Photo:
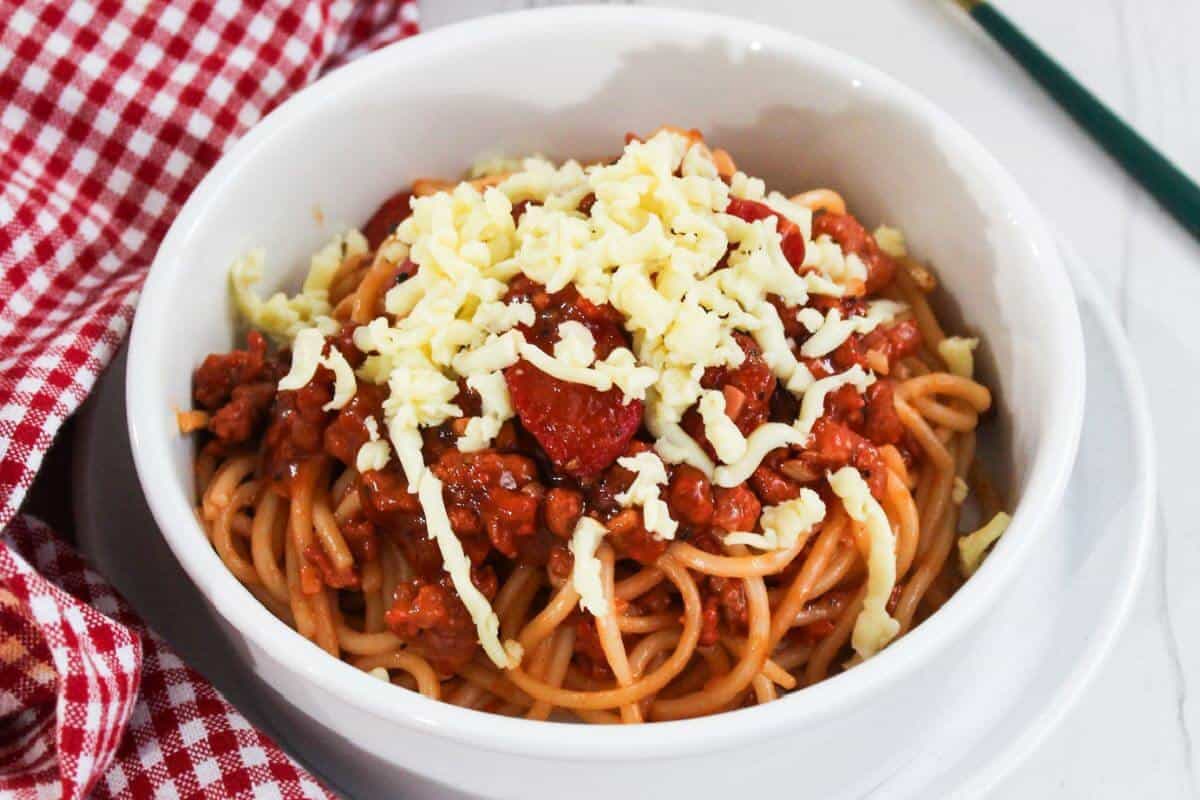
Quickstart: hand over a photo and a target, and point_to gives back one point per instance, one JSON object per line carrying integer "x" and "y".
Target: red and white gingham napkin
{"x": 110, "y": 113}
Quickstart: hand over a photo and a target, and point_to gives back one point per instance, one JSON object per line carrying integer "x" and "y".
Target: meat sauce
{"x": 519, "y": 501}
{"x": 852, "y": 237}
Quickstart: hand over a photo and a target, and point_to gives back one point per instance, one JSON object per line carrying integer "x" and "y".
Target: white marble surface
{"x": 1135, "y": 732}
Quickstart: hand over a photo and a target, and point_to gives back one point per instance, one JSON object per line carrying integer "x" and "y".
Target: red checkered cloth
{"x": 95, "y": 702}
{"x": 110, "y": 113}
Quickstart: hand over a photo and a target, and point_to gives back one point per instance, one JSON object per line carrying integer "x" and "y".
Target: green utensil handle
{"x": 1173, "y": 189}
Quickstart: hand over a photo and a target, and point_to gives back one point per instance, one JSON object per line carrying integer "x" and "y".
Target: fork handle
{"x": 1168, "y": 184}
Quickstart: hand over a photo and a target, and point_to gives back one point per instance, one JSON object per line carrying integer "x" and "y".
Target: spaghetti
{"x": 563, "y": 532}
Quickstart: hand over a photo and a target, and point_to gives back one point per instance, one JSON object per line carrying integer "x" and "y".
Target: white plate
{"x": 1042, "y": 647}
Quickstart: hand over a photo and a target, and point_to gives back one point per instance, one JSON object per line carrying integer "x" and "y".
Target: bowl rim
{"x": 1051, "y": 466}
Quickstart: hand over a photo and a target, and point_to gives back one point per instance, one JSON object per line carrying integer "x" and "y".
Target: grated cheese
{"x": 283, "y": 317}
{"x": 497, "y": 317}
{"x": 810, "y": 318}
{"x": 891, "y": 241}
{"x": 726, "y": 439}
{"x": 765, "y": 438}
{"x": 674, "y": 445}
{"x": 573, "y": 362}
{"x": 306, "y": 357}
{"x": 497, "y": 409}
{"x": 783, "y": 525}
{"x": 834, "y": 330}
{"x": 874, "y": 627}
{"x": 973, "y": 547}
{"x": 488, "y": 166}
{"x": 374, "y": 453}
{"x": 649, "y": 473}
{"x": 958, "y": 353}
{"x": 585, "y": 572}
{"x": 959, "y": 493}
{"x": 344, "y": 383}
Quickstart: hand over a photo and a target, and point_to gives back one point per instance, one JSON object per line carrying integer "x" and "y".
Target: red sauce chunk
{"x": 394, "y": 210}
{"x": 581, "y": 429}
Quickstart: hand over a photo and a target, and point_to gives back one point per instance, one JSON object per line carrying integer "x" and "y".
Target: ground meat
{"x": 846, "y": 405}
{"x": 814, "y": 632}
{"x": 220, "y": 373}
{"x": 559, "y": 563}
{"x": 638, "y": 543}
{"x": 330, "y": 576}
{"x": 361, "y": 537}
{"x": 385, "y": 492}
{"x": 750, "y": 385}
{"x": 690, "y": 497}
{"x": 348, "y": 430}
{"x": 834, "y": 445}
{"x": 753, "y": 378}
{"x": 499, "y": 489}
{"x": 535, "y": 550}
{"x": 552, "y": 309}
{"x": 245, "y": 415}
{"x": 792, "y": 327}
{"x": 343, "y": 342}
{"x": 655, "y": 601}
{"x": 296, "y": 430}
{"x": 737, "y": 509}
{"x": 431, "y": 618}
{"x": 601, "y": 494}
{"x": 771, "y": 486}
{"x": 710, "y": 621}
{"x": 784, "y": 406}
{"x": 896, "y": 342}
{"x": 396, "y": 513}
{"x": 561, "y": 510}
{"x": 882, "y": 424}
{"x": 723, "y": 600}
{"x": 731, "y": 598}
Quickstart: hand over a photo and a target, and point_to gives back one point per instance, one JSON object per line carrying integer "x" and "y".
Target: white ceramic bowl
{"x": 571, "y": 82}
